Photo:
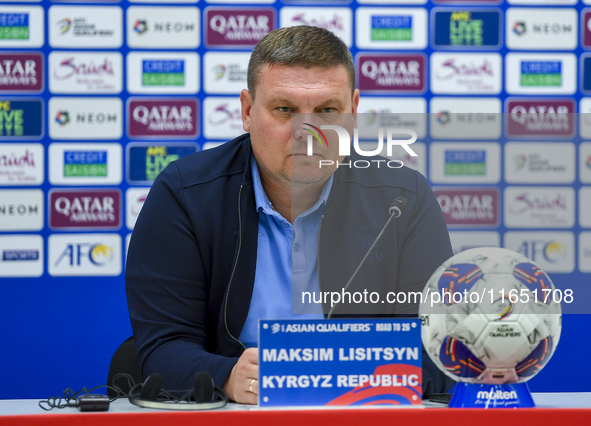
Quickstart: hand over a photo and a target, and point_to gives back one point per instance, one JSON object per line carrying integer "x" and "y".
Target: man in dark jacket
{"x": 226, "y": 235}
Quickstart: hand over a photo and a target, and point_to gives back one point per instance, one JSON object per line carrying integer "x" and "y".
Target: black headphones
{"x": 204, "y": 395}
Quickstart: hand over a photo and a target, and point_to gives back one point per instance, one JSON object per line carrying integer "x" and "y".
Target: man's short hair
{"x": 300, "y": 46}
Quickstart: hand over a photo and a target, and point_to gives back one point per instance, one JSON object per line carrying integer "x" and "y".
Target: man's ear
{"x": 355, "y": 104}
{"x": 246, "y": 103}
{"x": 355, "y": 101}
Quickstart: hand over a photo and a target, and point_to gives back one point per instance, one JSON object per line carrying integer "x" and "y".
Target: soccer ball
{"x": 492, "y": 316}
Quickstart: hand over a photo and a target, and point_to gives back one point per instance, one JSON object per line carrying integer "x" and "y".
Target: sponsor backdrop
{"x": 96, "y": 98}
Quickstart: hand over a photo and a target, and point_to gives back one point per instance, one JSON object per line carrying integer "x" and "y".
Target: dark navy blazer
{"x": 191, "y": 260}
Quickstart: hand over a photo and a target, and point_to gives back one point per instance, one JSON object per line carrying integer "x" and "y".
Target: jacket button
{"x": 296, "y": 247}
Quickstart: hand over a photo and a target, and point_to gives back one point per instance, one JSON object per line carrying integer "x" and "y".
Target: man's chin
{"x": 305, "y": 161}
{"x": 307, "y": 169}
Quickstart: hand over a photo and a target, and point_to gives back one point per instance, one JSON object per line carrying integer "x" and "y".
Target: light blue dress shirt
{"x": 284, "y": 269}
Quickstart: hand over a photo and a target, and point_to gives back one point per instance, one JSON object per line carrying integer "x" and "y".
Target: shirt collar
{"x": 263, "y": 203}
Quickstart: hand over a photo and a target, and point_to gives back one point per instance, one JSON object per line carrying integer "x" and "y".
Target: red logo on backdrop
{"x": 469, "y": 206}
{"x": 391, "y": 73}
{"x": 21, "y": 72}
{"x": 79, "y": 209}
{"x": 544, "y": 117}
{"x": 162, "y": 118}
{"x": 70, "y": 67}
{"x": 587, "y": 29}
{"x": 525, "y": 202}
{"x": 237, "y": 26}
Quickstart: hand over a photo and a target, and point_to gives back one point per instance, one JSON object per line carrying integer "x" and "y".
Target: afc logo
{"x": 80, "y": 253}
{"x": 550, "y": 251}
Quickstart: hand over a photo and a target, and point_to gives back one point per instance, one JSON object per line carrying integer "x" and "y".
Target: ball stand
{"x": 471, "y": 395}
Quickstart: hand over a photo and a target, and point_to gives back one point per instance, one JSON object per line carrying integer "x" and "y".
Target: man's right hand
{"x": 239, "y": 383}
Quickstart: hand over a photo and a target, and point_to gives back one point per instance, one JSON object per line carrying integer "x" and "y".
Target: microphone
{"x": 203, "y": 387}
{"x": 395, "y": 211}
{"x": 397, "y": 206}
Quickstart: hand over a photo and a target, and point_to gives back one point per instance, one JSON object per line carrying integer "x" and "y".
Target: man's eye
{"x": 283, "y": 109}
{"x": 327, "y": 110}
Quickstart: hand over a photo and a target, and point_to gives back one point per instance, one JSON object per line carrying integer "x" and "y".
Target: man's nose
{"x": 299, "y": 133}
{"x": 300, "y": 125}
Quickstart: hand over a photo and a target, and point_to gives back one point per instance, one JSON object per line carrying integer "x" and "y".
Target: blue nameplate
{"x": 340, "y": 362}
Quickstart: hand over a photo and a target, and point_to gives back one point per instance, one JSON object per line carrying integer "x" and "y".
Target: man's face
{"x": 278, "y": 142}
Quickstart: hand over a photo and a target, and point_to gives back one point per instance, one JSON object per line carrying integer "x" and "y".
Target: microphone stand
{"x": 395, "y": 211}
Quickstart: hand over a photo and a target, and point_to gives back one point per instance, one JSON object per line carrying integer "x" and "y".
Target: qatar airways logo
{"x": 544, "y": 117}
{"x": 469, "y": 206}
{"x": 396, "y": 73}
{"x": 238, "y": 27}
{"x": 586, "y": 28}
{"x": 21, "y": 72}
{"x": 162, "y": 118}
{"x": 344, "y": 145}
{"x": 84, "y": 209}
